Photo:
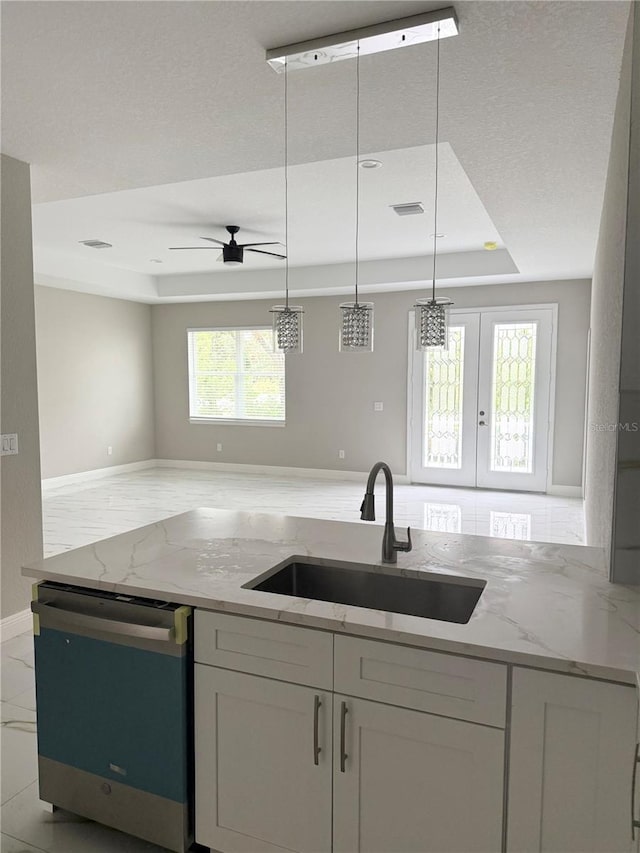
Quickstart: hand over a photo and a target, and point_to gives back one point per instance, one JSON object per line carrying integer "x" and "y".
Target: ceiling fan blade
{"x": 208, "y": 248}
{"x": 274, "y": 243}
{"x": 220, "y": 257}
{"x": 213, "y": 240}
{"x": 273, "y": 254}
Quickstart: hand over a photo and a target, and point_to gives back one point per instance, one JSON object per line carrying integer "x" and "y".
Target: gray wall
{"x": 21, "y": 505}
{"x": 95, "y": 381}
{"x": 330, "y": 395}
{"x": 612, "y": 284}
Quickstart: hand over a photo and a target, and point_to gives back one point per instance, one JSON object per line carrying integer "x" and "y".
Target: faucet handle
{"x": 367, "y": 508}
{"x": 405, "y": 546}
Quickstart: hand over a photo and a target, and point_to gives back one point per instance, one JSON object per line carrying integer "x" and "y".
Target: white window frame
{"x": 251, "y": 422}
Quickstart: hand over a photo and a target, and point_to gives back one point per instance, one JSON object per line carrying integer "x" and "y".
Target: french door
{"x": 480, "y": 407}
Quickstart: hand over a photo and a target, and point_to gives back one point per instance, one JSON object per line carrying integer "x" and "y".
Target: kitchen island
{"x": 544, "y": 605}
{"x": 368, "y": 730}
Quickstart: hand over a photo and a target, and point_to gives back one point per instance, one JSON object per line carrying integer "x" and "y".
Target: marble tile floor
{"x": 75, "y": 515}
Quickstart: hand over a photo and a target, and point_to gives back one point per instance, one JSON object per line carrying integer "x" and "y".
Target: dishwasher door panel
{"x": 115, "y": 711}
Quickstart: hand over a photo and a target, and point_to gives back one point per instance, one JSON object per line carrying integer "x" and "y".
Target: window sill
{"x": 237, "y": 422}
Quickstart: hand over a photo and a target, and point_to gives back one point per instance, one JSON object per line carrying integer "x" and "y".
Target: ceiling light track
{"x": 389, "y": 35}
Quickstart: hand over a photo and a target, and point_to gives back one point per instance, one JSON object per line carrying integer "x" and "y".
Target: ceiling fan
{"x": 232, "y": 252}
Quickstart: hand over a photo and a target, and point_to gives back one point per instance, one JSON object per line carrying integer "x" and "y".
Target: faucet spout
{"x": 390, "y": 545}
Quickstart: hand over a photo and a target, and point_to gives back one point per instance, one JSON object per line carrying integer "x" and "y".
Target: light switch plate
{"x": 378, "y": 407}
{"x": 10, "y": 444}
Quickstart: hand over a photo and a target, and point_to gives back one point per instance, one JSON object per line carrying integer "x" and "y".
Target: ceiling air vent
{"x": 409, "y": 209}
{"x": 96, "y": 244}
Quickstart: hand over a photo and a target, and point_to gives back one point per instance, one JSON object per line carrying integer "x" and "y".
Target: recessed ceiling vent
{"x": 96, "y": 244}
{"x": 409, "y": 209}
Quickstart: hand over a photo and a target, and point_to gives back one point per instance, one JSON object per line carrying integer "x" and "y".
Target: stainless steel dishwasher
{"x": 114, "y": 696}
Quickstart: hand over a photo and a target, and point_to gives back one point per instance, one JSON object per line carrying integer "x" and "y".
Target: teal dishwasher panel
{"x": 114, "y": 710}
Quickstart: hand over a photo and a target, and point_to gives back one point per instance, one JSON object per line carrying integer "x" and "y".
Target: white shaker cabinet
{"x": 309, "y": 742}
{"x": 571, "y": 763}
{"x": 410, "y": 782}
{"x": 263, "y": 764}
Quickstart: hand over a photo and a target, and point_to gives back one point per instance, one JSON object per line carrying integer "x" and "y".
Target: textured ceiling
{"x": 105, "y": 96}
{"x": 142, "y": 224}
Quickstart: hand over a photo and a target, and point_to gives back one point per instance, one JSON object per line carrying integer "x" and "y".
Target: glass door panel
{"x": 512, "y": 396}
{"x": 513, "y": 399}
{"x": 443, "y": 447}
{"x": 443, "y": 396}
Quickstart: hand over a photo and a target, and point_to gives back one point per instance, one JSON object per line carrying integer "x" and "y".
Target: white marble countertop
{"x": 544, "y": 605}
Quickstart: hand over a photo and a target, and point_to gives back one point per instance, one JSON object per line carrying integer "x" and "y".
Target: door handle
{"x": 316, "y": 714}
{"x": 56, "y": 617}
{"x": 635, "y": 824}
{"x": 343, "y": 726}
{"x": 482, "y": 423}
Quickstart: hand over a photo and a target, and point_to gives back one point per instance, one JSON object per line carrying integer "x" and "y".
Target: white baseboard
{"x": 14, "y": 625}
{"x": 566, "y": 491}
{"x": 240, "y": 468}
{"x": 96, "y": 474}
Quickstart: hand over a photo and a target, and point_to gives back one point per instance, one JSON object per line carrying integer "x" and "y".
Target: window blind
{"x": 235, "y": 375}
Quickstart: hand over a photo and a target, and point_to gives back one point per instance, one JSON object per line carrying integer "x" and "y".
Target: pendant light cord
{"x": 357, "y": 168}
{"x": 435, "y": 193}
{"x": 286, "y": 186}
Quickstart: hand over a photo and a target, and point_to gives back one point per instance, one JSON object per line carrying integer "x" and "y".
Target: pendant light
{"x": 356, "y": 318}
{"x": 431, "y": 313}
{"x": 287, "y": 319}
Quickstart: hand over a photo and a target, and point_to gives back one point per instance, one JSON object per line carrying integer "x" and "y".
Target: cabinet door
{"x": 414, "y": 782}
{"x": 571, "y": 756}
{"x": 258, "y": 786}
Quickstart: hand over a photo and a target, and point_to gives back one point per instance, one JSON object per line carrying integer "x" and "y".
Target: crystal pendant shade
{"x": 287, "y": 328}
{"x": 431, "y": 322}
{"x": 356, "y": 327}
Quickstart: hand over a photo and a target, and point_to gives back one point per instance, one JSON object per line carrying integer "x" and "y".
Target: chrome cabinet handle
{"x": 316, "y": 714}
{"x": 635, "y": 824}
{"x": 343, "y": 726}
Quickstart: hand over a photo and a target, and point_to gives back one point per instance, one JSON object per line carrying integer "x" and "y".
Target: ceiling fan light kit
{"x": 232, "y": 252}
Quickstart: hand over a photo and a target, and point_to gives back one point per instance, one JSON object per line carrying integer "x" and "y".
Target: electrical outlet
{"x": 378, "y": 407}
{"x": 219, "y": 447}
{"x": 109, "y": 451}
{"x": 341, "y": 454}
{"x": 10, "y": 444}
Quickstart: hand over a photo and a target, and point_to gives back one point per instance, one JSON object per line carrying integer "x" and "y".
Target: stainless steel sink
{"x": 427, "y": 594}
